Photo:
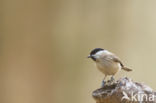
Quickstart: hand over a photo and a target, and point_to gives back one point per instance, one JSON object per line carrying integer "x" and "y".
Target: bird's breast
{"x": 108, "y": 67}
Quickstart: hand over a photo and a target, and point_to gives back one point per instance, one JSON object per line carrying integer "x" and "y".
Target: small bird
{"x": 107, "y": 62}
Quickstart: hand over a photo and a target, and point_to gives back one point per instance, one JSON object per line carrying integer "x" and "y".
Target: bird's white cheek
{"x": 99, "y": 54}
{"x": 96, "y": 56}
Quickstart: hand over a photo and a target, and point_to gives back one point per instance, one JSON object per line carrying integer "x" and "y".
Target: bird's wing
{"x": 115, "y": 59}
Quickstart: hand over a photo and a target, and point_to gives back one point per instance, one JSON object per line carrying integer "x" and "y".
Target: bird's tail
{"x": 126, "y": 69}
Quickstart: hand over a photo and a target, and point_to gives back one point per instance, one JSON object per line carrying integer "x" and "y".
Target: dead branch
{"x": 125, "y": 91}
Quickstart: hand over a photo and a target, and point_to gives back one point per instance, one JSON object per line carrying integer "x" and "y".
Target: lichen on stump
{"x": 125, "y": 91}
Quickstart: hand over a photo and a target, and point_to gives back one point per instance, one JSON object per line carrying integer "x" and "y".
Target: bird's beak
{"x": 89, "y": 56}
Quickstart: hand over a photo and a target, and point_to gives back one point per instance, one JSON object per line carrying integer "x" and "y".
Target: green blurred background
{"x": 44, "y": 45}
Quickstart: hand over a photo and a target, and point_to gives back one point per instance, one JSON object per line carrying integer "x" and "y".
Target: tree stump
{"x": 125, "y": 91}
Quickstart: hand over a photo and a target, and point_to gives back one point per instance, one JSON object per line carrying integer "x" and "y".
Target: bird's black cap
{"x": 94, "y": 51}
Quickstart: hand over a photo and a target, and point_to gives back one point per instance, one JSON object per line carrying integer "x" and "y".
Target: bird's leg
{"x": 111, "y": 80}
{"x": 104, "y": 82}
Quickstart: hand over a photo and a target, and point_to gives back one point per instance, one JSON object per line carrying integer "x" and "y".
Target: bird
{"x": 107, "y": 62}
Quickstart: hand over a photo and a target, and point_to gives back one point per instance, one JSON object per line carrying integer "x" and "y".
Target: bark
{"x": 125, "y": 91}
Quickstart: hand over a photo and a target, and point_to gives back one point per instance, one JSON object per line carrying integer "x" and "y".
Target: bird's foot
{"x": 111, "y": 81}
{"x": 103, "y": 84}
